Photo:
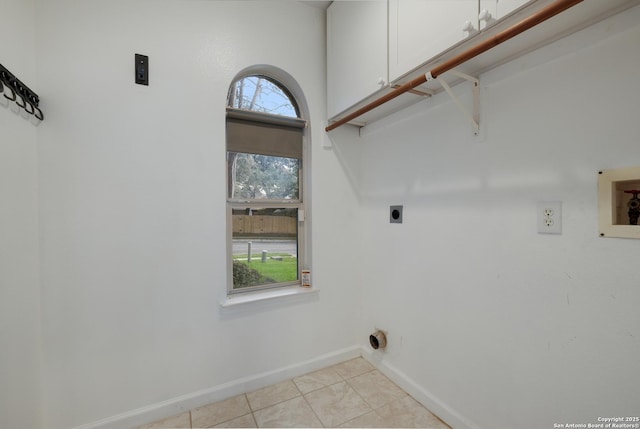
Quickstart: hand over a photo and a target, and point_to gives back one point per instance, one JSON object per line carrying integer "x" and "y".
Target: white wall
{"x": 491, "y": 322}
{"x": 495, "y": 324}
{"x": 132, "y": 191}
{"x": 20, "y": 374}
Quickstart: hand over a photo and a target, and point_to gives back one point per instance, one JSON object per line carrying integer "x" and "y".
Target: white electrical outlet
{"x": 549, "y": 216}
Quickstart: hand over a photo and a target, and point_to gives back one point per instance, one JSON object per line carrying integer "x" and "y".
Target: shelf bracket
{"x": 421, "y": 92}
{"x": 474, "y": 115}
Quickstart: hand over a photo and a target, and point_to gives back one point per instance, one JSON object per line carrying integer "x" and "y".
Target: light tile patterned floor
{"x": 352, "y": 394}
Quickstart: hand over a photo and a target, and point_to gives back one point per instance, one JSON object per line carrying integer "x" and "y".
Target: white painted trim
{"x": 193, "y": 400}
{"x": 249, "y": 297}
{"x": 419, "y": 393}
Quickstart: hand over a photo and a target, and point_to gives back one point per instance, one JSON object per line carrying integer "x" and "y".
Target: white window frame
{"x": 267, "y": 291}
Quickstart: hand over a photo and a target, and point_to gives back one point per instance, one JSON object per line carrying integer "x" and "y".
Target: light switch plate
{"x": 142, "y": 69}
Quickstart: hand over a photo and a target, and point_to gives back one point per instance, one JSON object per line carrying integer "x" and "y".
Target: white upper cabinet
{"x": 421, "y": 29}
{"x": 356, "y": 52}
{"x": 491, "y": 10}
{"x": 371, "y": 43}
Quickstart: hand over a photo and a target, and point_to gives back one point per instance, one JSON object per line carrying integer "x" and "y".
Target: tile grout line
{"x": 253, "y": 416}
{"x": 304, "y": 395}
{"x": 275, "y": 403}
{"x": 307, "y": 402}
{"x": 312, "y": 410}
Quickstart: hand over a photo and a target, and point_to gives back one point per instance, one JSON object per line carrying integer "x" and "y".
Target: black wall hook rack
{"x": 14, "y": 90}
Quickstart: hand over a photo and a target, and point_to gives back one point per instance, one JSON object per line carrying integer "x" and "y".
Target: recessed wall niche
{"x": 619, "y": 202}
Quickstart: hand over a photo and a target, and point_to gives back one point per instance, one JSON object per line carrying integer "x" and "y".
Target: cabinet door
{"x": 356, "y": 52}
{"x": 421, "y": 29}
{"x": 507, "y": 6}
{"x": 499, "y": 8}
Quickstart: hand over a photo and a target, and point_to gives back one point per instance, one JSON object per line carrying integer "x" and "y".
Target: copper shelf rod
{"x": 524, "y": 25}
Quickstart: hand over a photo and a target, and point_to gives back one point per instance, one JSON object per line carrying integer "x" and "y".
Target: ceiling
{"x": 317, "y": 3}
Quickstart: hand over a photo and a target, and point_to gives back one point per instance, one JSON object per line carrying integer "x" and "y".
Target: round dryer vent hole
{"x": 378, "y": 340}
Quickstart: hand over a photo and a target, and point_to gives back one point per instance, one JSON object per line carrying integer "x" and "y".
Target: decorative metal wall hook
{"x": 41, "y": 117}
{"x": 28, "y": 100}
{"x": 13, "y": 93}
{"x": 23, "y": 105}
{"x": 33, "y": 109}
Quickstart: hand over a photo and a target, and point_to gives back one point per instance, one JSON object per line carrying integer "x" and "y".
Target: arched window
{"x": 265, "y": 147}
{"x": 262, "y": 94}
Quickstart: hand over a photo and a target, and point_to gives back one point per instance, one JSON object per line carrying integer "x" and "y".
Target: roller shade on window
{"x": 264, "y": 134}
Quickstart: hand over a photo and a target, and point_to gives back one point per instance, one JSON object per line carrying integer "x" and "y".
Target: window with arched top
{"x": 262, "y": 94}
{"x": 265, "y": 149}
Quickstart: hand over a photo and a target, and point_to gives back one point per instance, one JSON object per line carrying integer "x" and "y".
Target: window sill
{"x": 248, "y": 298}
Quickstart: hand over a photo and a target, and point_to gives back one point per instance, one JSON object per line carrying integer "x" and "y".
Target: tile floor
{"x": 352, "y": 394}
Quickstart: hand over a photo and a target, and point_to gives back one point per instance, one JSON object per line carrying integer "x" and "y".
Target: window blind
{"x": 264, "y": 134}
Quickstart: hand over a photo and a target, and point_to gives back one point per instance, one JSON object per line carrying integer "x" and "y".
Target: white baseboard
{"x": 180, "y": 404}
{"x": 419, "y": 393}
